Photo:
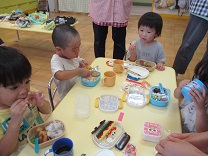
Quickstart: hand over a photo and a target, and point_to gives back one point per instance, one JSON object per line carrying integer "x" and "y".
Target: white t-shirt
{"x": 61, "y": 64}
{"x": 188, "y": 116}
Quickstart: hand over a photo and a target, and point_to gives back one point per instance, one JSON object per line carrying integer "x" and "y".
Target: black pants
{"x": 194, "y": 34}
{"x": 118, "y": 36}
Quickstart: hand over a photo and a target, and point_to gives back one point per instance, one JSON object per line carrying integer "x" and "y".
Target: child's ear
{"x": 58, "y": 50}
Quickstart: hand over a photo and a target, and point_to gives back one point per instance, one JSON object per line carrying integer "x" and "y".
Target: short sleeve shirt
{"x": 154, "y": 52}
{"x": 31, "y": 119}
{"x": 60, "y": 64}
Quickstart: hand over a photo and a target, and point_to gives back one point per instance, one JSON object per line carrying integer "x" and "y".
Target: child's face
{"x": 10, "y": 94}
{"x": 147, "y": 34}
{"x": 72, "y": 50}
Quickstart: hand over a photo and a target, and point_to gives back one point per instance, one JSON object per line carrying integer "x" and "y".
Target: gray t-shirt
{"x": 154, "y": 52}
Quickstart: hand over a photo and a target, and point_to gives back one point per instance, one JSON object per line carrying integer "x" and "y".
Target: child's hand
{"x": 177, "y": 92}
{"x": 160, "y": 66}
{"x": 17, "y": 111}
{"x": 132, "y": 48}
{"x": 132, "y": 52}
{"x": 85, "y": 72}
{"x": 198, "y": 98}
{"x": 35, "y": 98}
{"x": 83, "y": 64}
{"x": 183, "y": 83}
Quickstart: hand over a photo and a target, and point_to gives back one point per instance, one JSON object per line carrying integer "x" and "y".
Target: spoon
{"x": 36, "y": 143}
{"x": 161, "y": 88}
{"x": 96, "y": 68}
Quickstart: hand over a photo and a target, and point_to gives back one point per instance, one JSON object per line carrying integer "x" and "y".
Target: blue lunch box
{"x": 155, "y": 97}
{"x": 91, "y": 81}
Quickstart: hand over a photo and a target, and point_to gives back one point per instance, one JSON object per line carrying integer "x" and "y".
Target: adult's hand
{"x": 177, "y": 147}
{"x": 199, "y": 140}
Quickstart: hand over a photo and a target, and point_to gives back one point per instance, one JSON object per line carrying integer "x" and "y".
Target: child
{"x": 66, "y": 65}
{"x": 146, "y": 47}
{"x": 194, "y": 114}
{"x": 19, "y": 108}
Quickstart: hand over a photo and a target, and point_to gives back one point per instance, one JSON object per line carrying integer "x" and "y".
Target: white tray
{"x": 138, "y": 72}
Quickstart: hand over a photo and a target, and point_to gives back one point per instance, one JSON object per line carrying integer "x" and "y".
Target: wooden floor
{"x": 39, "y": 49}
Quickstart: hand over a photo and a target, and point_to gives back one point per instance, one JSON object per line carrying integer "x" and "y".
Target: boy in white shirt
{"x": 66, "y": 65}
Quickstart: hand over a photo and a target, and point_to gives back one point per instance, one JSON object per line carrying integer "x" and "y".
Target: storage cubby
{"x": 167, "y": 12}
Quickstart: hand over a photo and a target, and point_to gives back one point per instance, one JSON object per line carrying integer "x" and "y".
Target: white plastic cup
{"x": 82, "y": 106}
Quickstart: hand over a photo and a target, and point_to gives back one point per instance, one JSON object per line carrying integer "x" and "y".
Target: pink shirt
{"x": 110, "y": 12}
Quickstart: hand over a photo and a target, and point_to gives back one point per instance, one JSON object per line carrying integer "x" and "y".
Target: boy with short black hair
{"x": 66, "y": 65}
{"x": 146, "y": 47}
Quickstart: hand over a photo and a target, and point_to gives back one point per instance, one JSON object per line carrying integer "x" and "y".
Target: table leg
{"x": 18, "y": 38}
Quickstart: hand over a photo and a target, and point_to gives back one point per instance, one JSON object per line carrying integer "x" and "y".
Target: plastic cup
{"x": 82, "y": 106}
{"x": 196, "y": 83}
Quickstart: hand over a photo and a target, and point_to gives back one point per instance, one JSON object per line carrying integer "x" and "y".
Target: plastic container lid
{"x": 82, "y": 106}
{"x": 105, "y": 152}
{"x": 135, "y": 98}
{"x": 109, "y": 103}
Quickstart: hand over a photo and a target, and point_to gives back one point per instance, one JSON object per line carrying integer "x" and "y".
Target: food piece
{"x": 39, "y": 129}
{"x": 43, "y": 132}
{"x": 45, "y": 138}
{"x": 89, "y": 67}
{"x": 54, "y": 129}
{"x": 142, "y": 62}
{"x": 95, "y": 74}
{"x": 104, "y": 129}
{"x": 32, "y": 139}
{"x": 156, "y": 90}
{"x": 40, "y": 140}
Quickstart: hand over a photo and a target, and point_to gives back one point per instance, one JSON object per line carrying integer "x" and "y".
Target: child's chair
{"x": 51, "y": 92}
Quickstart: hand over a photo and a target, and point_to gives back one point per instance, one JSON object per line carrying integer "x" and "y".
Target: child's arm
{"x": 69, "y": 74}
{"x": 37, "y": 99}
{"x": 199, "y": 140}
{"x": 9, "y": 141}
{"x": 177, "y": 147}
{"x": 199, "y": 100}
{"x": 177, "y": 91}
{"x": 132, "y": 50}
{"x": 160, "y": 66}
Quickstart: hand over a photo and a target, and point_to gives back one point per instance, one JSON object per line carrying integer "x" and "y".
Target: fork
{"x": 96, "y": 68}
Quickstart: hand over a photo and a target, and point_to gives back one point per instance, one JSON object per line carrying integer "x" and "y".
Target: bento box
{"x": 110, "y": 134}
{"x": 159, "y": 97}
{"x": 92, "y": 80}
{"x": 146, "y": 64}
{"x": 51, "y": 130}
{"x": 152, "y": 132}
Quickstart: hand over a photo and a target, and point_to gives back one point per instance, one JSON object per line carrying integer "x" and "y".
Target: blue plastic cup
{"x": 196, "y": 83}
{"x": 61, "y": 147}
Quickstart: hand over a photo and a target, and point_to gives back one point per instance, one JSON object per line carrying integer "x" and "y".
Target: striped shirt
{"x": 199, "y": 7}
{"x": 113, "y": 13}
